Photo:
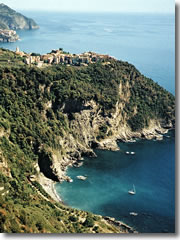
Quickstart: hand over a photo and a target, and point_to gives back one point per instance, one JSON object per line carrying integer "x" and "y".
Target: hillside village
{"x": 61, "y": 57}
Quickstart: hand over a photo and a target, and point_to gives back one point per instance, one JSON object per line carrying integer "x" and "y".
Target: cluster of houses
{"x": 61, "y": 57}
{"x": 8, "y": 35}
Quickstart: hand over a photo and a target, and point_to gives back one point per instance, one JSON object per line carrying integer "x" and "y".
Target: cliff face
{"x": 10, "y": 19}
{"x": 84, "y": 133}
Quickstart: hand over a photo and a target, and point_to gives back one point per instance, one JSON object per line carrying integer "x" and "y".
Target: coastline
{"x": 49, "y": 186}
{"x": 56, "y": 194}
{"x": 60, "y": 166}
{"x": 52, "y": 192}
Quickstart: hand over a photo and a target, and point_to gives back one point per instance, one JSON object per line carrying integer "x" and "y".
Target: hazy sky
{"x": 162, "y": 6}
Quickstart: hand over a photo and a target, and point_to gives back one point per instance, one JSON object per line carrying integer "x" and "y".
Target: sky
{"x": 153, "y": 6}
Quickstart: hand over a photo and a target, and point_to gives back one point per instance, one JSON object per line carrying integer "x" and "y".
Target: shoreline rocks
{"x": 120, "y": 224}
{"x": 85, "y": 127}
{"x": 77, "y": 164}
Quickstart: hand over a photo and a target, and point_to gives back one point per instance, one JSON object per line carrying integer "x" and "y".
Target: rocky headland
{"x": 10, "y": 21}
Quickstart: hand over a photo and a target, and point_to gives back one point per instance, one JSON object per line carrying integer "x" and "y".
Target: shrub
{"x": 89, "y": 222}
{"x": 73, "y": 219}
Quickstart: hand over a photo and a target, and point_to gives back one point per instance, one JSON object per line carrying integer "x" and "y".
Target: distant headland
{"x": 10, "y": 21}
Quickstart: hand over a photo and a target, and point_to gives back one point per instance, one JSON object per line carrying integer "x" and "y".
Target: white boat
{"x": 132, "y": 153}
{"x": 131, "y": 140}
{"x": 133, "y": 213}
{"x": 133, "y": 191}
{"x": 82, "y": 178}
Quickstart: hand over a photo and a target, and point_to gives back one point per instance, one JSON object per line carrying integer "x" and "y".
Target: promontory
{"x": 10, "y": 21}
{"x": 51, "y": 116}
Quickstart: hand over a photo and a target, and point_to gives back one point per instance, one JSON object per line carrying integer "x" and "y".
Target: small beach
{"x": 49, "y": 186}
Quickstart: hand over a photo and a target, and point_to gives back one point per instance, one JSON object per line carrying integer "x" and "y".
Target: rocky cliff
{"x": 84, "y": 136}
{"x": 10, "y": 19}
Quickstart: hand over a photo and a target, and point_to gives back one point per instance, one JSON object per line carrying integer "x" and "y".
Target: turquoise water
{"x": 112, "y": 174}
{"x": 147, "y": 41}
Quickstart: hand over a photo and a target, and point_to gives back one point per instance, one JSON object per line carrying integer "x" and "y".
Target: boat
{"x": 133, "y": 213}
{"x": 131, "y": 140}
{"x": 133, "y": 191}
{"x": 82, "y": 178}
{"x": 132, "y": 153}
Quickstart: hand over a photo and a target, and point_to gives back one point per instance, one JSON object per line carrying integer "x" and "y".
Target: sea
{"x": 148, "y": 42}
{"x": 112, "y": 174}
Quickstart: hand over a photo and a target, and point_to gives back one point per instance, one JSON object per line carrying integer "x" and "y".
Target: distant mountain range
{"x": 12, "y": 20}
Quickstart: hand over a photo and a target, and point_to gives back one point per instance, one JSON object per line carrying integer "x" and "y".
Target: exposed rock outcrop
{"x": 10, "y": 19}
{"x": 84, "y": 132}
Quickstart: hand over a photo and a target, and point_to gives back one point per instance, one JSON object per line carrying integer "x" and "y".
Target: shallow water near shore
{"x": 111, "y": 175}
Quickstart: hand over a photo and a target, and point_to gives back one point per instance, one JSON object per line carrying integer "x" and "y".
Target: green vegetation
{"x": 35, "y": 54}
{"x": 36, "y": 109}
{"x": 89, "y": 222}
{"x": 9, "y": 58}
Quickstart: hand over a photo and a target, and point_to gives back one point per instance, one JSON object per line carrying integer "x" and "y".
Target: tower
{"x": 17, "y": 50}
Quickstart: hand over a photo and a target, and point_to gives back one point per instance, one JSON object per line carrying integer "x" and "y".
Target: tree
{"x": 89, "y": 222}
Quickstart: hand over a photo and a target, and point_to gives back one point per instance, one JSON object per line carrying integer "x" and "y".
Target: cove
{"x": 111, "y": 175}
